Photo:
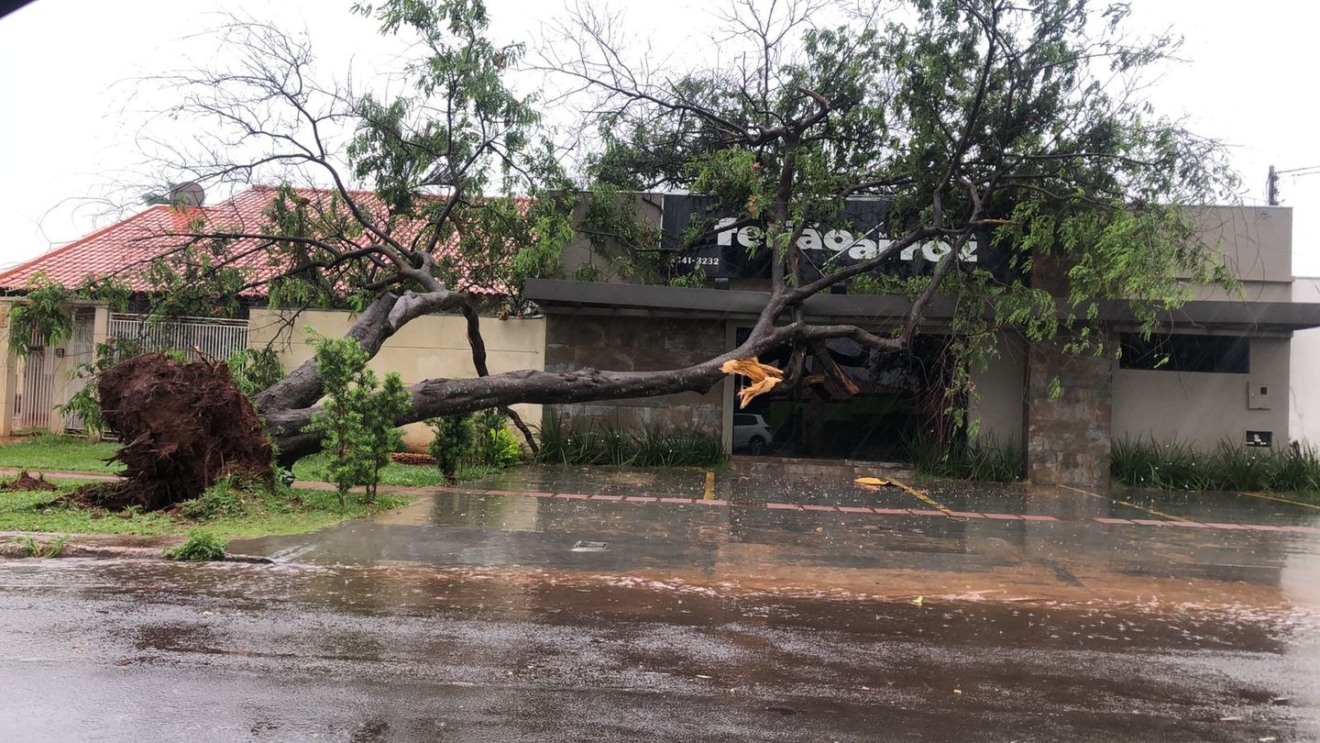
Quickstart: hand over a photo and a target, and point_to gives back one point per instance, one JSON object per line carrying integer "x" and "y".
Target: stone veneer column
{"x": 1068, "y": 437}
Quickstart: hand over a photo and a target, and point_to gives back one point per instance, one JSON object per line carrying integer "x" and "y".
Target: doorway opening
{"x": 885, "y": 403}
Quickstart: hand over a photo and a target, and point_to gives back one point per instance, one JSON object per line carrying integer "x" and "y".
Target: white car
{"x": 750, "y": 432}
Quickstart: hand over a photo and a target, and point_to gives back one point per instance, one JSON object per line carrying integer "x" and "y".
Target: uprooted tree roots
{"x": 184, "y": 426}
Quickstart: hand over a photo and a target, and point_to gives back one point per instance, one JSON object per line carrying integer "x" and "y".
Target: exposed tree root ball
{"x": 184, "y": 426}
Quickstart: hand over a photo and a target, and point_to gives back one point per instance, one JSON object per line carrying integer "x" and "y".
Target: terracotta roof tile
{"x": 134, "y": 242}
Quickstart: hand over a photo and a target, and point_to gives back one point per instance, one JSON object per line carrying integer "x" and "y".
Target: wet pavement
{"x": 557, "y": 604}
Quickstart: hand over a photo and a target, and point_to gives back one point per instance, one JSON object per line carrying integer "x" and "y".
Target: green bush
{"x": 494, "y": 445}
{"x": 455, "y": 437}
{"x": 1177, "y": 465}
{"x": 603, "y": 444}
{"x": 201, "y": 546}
{"x": 984, "y": 460}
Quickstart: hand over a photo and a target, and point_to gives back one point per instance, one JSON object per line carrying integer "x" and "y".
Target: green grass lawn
{"x": 51, "y": 453}
{"x": 294, "y": 512}
{"x": 224, "y": 513}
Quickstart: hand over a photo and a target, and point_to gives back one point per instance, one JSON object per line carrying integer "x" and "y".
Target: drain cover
{"x": 584, "y": 546}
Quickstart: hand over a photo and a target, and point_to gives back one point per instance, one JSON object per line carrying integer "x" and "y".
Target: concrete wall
{"x": 1203, "y": 408}
{"x": 1304, "y": 361}
{"x": 998, "y": 409}
{"x": 617, "y": 343}
{"x": 428, "y": 347}
{"x": 580, "y": 252}
{"x": 1256, "y": 241}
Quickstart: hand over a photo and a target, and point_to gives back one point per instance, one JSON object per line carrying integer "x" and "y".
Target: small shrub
{"x": 453, "y": 443}
{"x": 228, "y": 497}
{"x": 357, "y": 418}
{"x": 1176, "y": 465}
{"x": 494, "y": 445}
{"x": 30, "y": 547}
{"x": 1236, "y": 467}
{"x": 983, "y": 460}
{"x": 1296, "y": 471}
{"x": 201, "y": 546}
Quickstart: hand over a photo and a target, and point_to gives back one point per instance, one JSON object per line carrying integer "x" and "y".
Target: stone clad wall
{"x": 1068, "y": 436}
{"x": 637, "y": 344}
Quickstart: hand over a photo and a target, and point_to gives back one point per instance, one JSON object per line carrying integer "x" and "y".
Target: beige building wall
{"x": 997, "y": 410}
{"x": 426, "y": 348}
{"x": 1256, "y": 243}
{"x": 1200, "y": 408}
{"x": 9, "y": 363}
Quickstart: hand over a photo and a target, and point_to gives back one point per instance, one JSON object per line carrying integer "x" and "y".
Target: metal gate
{"x": 213, "y": 339}
{"x": 82, "y": 350}
{"x": 36, "y": 390}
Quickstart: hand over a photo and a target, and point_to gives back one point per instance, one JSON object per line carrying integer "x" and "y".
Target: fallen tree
{"x": 971, "y": 119}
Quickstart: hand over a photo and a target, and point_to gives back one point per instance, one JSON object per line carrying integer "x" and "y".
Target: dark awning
{"x": 560, "y": 296}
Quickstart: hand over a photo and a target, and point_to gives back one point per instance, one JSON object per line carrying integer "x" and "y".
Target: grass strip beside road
{"x": 300, "y": 510}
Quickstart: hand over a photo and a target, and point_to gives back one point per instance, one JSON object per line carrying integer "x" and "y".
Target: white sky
{"x": 71, "y": 113}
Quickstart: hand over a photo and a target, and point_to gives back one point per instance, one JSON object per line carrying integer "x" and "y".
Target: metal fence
{"x": 214, "y": 339}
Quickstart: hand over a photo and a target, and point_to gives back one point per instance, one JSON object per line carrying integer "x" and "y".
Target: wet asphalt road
{"x": 119, "y": 651}
{"x": 471, "y": 617}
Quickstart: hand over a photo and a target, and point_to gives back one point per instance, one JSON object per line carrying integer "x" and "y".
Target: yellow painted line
{"x": 1282, "y": 500}
{"x": 710, "y": 485}
{"x": 1138, "y": 506}
{"x": 924, "y": 498}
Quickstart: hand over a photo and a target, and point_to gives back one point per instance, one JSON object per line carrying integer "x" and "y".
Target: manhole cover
{"x": 585, "y": 546}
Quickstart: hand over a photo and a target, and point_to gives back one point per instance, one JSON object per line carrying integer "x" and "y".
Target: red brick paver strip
{"x": 783, "y": 507}
{"x": 856, "y": 509}
{"x": 1004, "y": 516}
{"x": 607, "y": 497}
{"x": 967, "y": 514}
{"x": 573, "y": 496}
{"x": 921, "y": 512}
{"x": 682, "y": 501}
{"x": 818, "y": 508}
{"x": 891, "y": 511}
{"x": 1102, "y": 520}
{"x": 704, "y": 502}
{"x": 641, "y": 499}
{"x": 1038, "y": 517}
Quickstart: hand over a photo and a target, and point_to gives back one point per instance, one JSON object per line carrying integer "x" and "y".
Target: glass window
{"x": 1217, "y": 354}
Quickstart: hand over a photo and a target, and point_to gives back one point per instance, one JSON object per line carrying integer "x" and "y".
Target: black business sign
{"x": 859, "y": 234}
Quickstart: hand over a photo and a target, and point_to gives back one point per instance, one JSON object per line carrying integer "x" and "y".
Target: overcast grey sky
{"x": 71, "y": 122}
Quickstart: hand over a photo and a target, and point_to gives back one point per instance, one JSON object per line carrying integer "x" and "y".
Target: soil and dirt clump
{"x": 27, "y": 483}
{"x": 184, "y": 426}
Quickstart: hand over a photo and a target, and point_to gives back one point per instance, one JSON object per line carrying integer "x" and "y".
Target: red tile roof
{"x": 122, "y": 248}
